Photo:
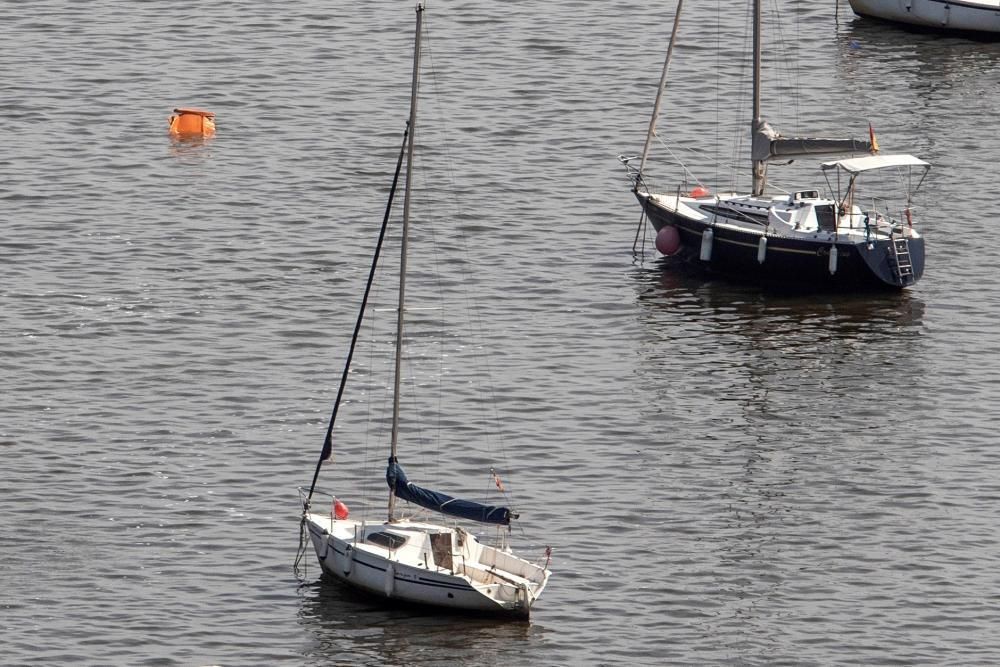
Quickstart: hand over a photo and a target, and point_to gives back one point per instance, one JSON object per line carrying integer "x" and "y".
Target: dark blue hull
{"x": 793, "y": 262}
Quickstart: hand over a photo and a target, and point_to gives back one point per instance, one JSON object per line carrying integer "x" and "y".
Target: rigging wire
{"x": 718, "y": 89}
{"x": 436, "y": 272}
{"x": 368, "y": 485}
{"x": 474, "y": 315}
{"x": 327, "y": 450}
{"x": 786, "y": 66}
{"x": 435, "y": 269}
{"x": 744, "y": 82}
{"x": 680, "y": 162}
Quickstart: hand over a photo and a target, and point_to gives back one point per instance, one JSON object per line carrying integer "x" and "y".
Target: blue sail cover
{"x": 439, "y": 502}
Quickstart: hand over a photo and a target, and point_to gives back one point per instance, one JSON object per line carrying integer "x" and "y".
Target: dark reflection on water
{"x": 781, "y": 353}
{"x": 349, "y": 627}
{"x": 769, "y": 311}
{"x": 776, "y": 416}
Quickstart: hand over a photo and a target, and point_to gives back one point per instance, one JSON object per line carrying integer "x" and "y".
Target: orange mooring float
{"x": 188, "y": 122}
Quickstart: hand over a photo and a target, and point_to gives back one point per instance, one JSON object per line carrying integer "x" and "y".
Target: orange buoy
{"x": 340, "y": 510}
{"x": 188, "y": 122}
{"x": 700, "y": 191}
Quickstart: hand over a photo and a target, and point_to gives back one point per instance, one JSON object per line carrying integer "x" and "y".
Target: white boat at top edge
{"x": 979, "y": 16}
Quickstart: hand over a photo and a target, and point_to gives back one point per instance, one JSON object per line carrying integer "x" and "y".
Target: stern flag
{"x": 871, "y": 136}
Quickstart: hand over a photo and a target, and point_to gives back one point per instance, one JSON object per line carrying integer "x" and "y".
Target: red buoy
{"x": 700, "y": 191}
{"x": 339, "y": 509}
{"x": 668, "y": 240}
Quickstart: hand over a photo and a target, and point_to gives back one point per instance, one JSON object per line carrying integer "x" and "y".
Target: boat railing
{"x": 878, "y": 220}
{"x": 639, "y": 180}
{"x": 689, "y": 185}
{"x": 632, "y": 171}
{"x": 326, "y": 502}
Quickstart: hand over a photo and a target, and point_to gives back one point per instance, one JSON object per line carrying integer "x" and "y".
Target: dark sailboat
{"x": 846, "y": 239}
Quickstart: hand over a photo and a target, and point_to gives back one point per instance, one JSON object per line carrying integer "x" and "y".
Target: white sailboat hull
{"x": 434, "y": 565}
{"x": 966, "y": 15}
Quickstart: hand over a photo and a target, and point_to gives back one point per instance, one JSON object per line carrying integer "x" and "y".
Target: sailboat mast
{"x": 759, "y": 166}
{"x": 402, "y": 253}
{"x": 659, "y": 91}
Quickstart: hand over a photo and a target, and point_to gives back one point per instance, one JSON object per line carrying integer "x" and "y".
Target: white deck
{"x": 789, "y": 216}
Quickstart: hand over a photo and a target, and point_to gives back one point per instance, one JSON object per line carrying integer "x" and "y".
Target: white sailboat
{"x": 402, "y": 558}
{"x": 847, "y": 239}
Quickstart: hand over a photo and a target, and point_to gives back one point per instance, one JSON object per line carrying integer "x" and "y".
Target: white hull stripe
{"x": 770, "y": 248}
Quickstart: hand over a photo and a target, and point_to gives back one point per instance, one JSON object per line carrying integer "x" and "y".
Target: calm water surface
{"x": 727, "y": 475}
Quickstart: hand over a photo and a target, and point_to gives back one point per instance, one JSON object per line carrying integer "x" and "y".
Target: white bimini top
{"x": 859, "y": 164}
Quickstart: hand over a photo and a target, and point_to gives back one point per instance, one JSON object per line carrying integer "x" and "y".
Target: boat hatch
{"x": 387, "y": 540}
{"x": 824, "y": 216}
{"x": 441, "y": 549}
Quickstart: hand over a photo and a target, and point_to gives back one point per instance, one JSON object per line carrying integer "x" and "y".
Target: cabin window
{"x": 387, "y": 540}
{"x": 825, "y": 217}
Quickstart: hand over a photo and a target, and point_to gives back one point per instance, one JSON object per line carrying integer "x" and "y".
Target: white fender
{"x": 706, "y": 244}
{"x": 833, "y": 259}
{"x": 349, "y": 558}
{"x": 390, "y": 579}
{"x": 761, "y": 249}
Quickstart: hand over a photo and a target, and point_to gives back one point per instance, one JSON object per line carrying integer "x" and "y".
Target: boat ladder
{"x": 900, "y": 260}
